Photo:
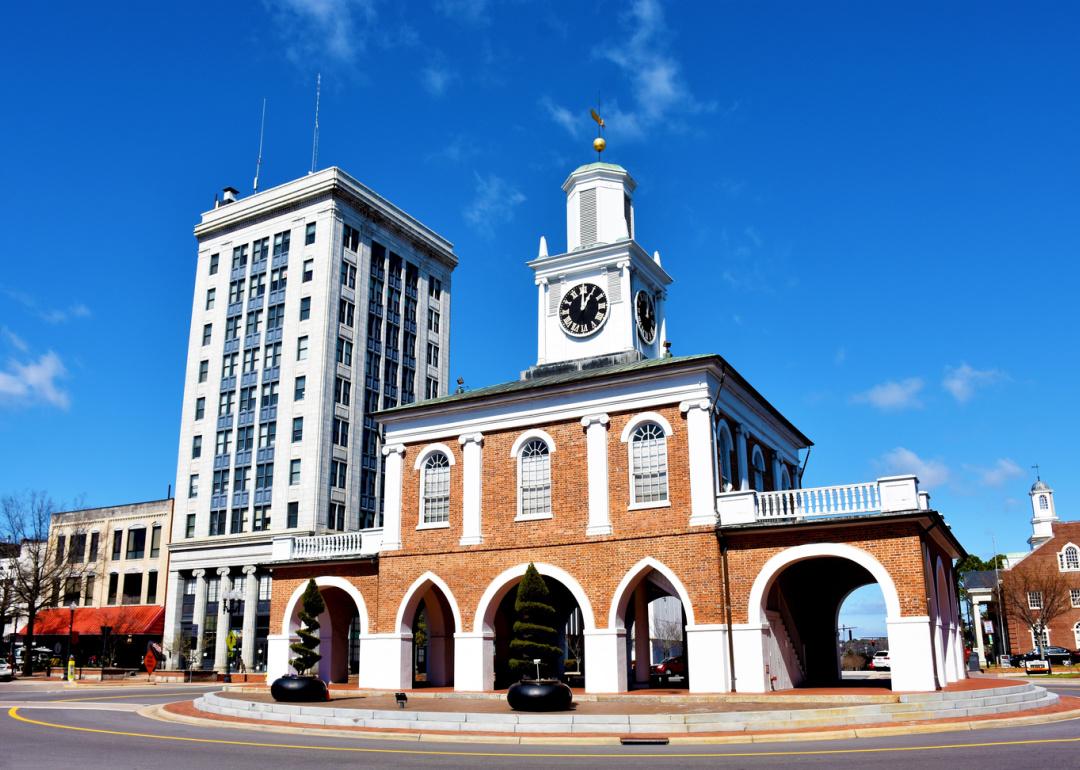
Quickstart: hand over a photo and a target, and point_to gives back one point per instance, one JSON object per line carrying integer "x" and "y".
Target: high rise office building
{"x": 316, "y": 303}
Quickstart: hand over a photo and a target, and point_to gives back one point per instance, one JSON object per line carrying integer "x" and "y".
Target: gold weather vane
{"x": 598, "y": 143}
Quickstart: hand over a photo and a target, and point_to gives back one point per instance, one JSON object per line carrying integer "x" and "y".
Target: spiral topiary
{"x": 311, "y": 606}
{"x": 535, "y": 635}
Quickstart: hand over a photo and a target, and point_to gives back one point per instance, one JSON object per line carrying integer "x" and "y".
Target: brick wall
{"x": 1045, "y": 557}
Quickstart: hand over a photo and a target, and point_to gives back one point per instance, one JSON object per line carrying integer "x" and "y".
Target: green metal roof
{"x": 600, "y": 165}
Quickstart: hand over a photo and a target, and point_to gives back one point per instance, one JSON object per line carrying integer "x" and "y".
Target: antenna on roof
{"x": 315, "y": 138}
{"x": 262, "y": 131}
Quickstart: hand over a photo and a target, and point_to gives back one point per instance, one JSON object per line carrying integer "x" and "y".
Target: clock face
{"x": 645, "y": 311}
{"x": 583, "y": 309}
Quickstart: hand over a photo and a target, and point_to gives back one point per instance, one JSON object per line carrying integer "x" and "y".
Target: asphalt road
{"x": 45, "y": 733}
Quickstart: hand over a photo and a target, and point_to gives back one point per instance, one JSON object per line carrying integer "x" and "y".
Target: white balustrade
{"x": 363, "y": 542}
{"x": 819, "y": 501}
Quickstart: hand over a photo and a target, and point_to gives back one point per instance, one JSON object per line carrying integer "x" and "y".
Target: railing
{"x": 361, "y": 543}
{"x": 819, "y": 501}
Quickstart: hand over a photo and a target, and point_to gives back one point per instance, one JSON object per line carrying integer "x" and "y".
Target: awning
{"x": 134, "y": 619}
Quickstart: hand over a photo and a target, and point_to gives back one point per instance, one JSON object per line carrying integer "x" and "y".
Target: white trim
{"x": 723, "y": 429}
{"x": 533, "y": 516}
{"x": 1061, "y": 558}
{"x": 1046, "y": 631}
{"x": 646, "y": 506}
{"x": 528, "y": 435}
{"x": 515, "y": 454}
{"x": 640, "y": 570}
{"x": 632, "y": 424}
{"x": 419, "y": 466}
{"x": 643, "y": 417}
{"x": 754, "y": 454}
{"x": 498, "y": 588}
{"x": 430, "y": 449}
{"x": 331, "y": 581}
{"x": 1076, "y": 634}
{"x": 433, "y": 524}
{"x": 415, "y": 591}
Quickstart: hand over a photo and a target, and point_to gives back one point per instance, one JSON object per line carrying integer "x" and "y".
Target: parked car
{"x": 6, "y": 674}
{"x": 1058, "y": 656}
{"x": 669, "y": 667}
{"x": 880, "y": 661}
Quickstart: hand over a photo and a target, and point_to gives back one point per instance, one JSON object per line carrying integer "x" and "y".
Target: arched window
{"x": 785, "y": 478}
{"x": 1069, "y": 558}
{"x": 1076, "y": 634}
{"x": 723, "y": 450}
{"x": 648, "y": 464}
{"x": 534, "y": 477}
{"x": 436, "y": 491}
{"x": 758, "y": 463}
{"x": 1043, "y": 503}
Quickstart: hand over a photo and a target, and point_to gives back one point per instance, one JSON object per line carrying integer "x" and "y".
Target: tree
{"x": 40, "y": 571}
{"x": 534, "y": 633}
{"x": 1036, "y": 594}
{"x": 669, "y": 633}
{"x": 311, "y": 606}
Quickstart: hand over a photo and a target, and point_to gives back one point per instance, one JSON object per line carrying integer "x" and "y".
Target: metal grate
{"x": 588, "y": 217}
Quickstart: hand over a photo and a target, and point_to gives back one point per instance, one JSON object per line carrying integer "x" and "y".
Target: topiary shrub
{"x": 534, "y": 632}
{"x": 311, "y": 606}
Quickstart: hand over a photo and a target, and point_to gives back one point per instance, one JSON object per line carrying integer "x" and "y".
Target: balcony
{"x": 889, "y": 494}
{"x": 365, "y": 542}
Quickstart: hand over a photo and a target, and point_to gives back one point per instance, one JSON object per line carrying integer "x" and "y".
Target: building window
{"x": 232, "y": 327}
{"x": 339, "y": 474}
{"x": 301, "y": 349}
{"x": 1035, "y": 600}
{"x": 189, "y": 526}
{"x": 253, "y": 323}
{"x": 132, "y": 588}
{"x": 278, "y": 278}
{"x": 298, "y": 429}
{"x": 204, "y": 370}
{"x": 309, "y": 270}
{"x": 432, "y": 354}
{"x": 294, "y": 472}
{"x": 257, "y": 286}
{"x": 206, "y": 332}
{"x": 236, "y": 522}
{"x": 281, "y": 243}
{"x": 432, "y": 388}
{"x": 117, "y": 544}
{"x": 151, "y": 587}
{"x": 434, "y": 288}
{"x": 94, "y": 537}
{"x": 240, "y": 478}
{"x": 723, "y": 450}
{"x": 155, "y": 541}
{"x": 275, "y": 317}
{"x": 309, "y": 234}
{"x": 433, "y": 321}
{"x": 228, "y": 365}
{"x": 239, "y": 256}
{"x": 344, "y": 352}
{"x": 193, "y": 485}
{"x": 305, "y": 308}
{"x": 785, "y": 478}
{"x": 292, "y": 512}
{"x": 264, "y": 475}
{"x": 214, "y": 259}
{"x": 1043, "y": 503}
{"x": 1045, "y": 638}
{"x": 757, "y": 463}
{"x": 222, "y": 442}
{"x": 114, "y": 580}
{"x": 352, "y": 238}
{"x": 346, "y": 310}
{"x": 267, "y": 435}
{"x": 534, "y": 474}
{"x": 269, "y": 395}
{"x": 225, "y": 403}
{"x": 217, "y": 523}
{"x": 245, "y": 437}
{"x": 77, "y": 548}
{"x": 436, "y": 492}
{"x": 88, "y": 592}
{"x": 299, "y": 388}
{"x": 648, "y": 464}
{"x": 210, "y": 297}
{"x": 272, "y": 356}
{"x": 200, "y": 408}
{"x": 1069, "y": 558}
{"x": 342, "y": 391}
{"x": 236, "y": 291}
{"x": 1074, "y": 597}
{"x": 136, "y": 543}
{"x": 335, "y": 516}
{"x": 348, "y": 275}
{"x": 196, "y": 447}
{"x": 260, "y": 520}
{"x": 341, "y": 432}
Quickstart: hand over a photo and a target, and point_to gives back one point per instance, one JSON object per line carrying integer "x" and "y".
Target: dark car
{"x": 1057, "y": 656}
{"x": 669, "y": 667}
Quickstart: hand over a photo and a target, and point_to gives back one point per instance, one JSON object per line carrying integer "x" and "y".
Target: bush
{"x": 534, "y": 632}
{"x": 311, "y": 606}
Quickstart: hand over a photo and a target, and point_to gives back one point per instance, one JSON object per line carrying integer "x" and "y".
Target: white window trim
{"x": 1061, "y": 558}
{"x": 627, "y": 433}
{"x": 754, "y": 454}
{"x": 428, "y": 450}
{"x": 418, "y": 466}
{"x": 722, "y": 428}
{"x": 1035, "y": 606}
{"x": 1076, "y": 634}
{"x": 785, "y": 478}
{"x": 515, "y": 454}
{"x": 642, "y": 417}
{"x": 1071, "y": 601}
{"x": 1046, "y": 633}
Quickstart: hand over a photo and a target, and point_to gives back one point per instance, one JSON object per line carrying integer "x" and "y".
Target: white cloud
{"x": 14, "y": 339}
{"x": 469, "y": 11}
{"x": 337, "y": 29}
{"x": 562, "y": 116}
{"x": 493, "y": 204}
{"x": 931, "y": 473}
{"x": 999, "y": 473}
{"x": 892, "y": 395}
{"x": 436, "y": 78}
{"x": 34, "y": 382}
{"x": 54, "y": 315}
{"x": 962, "y": 381}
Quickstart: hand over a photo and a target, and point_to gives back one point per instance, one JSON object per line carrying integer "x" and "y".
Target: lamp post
{"x": 71, "y": 652}
{"x": 233, "y": 599}
{"x": 105, "y": 630}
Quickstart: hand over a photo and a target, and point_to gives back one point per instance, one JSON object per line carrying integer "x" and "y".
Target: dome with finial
{"x": 1040, "y": 486}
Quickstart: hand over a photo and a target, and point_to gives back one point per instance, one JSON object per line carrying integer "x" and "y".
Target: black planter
{"x": 539, "y": 695}
{"x": 299, "y": 689}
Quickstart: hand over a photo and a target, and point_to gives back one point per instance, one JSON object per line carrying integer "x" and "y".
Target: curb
{"x": 159, "y": 713}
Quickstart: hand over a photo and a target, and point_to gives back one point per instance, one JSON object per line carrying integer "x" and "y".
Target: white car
{"x": 880, "y": 661}
{"x": 6, "y": 674}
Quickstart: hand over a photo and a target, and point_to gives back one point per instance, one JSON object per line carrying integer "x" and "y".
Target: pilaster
{"x": 596, "y": 443}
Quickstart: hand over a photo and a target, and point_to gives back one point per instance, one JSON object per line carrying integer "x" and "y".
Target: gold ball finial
{"x": 599, "y": 144}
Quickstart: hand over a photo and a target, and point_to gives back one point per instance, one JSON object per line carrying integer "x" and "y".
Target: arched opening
{"x": 430, "y": 616}
{"x": 863, "y": 634}
{"x": 340, "y": 627}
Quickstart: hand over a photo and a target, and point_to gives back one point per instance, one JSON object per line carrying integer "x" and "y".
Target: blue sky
{"x": 871, "y": 212}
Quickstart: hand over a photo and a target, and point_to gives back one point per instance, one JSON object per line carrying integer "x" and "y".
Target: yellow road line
{"x": 117, "y": 697}
{"x": 13, "y": 712}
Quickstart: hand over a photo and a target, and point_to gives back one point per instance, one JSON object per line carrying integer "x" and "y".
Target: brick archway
{"x": 343, "y": 600}
{"x": 443, "y": 623}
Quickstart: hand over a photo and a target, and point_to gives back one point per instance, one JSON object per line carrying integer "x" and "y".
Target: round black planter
{"x": 299, "y": 689}
{"x": 539, "y": 695}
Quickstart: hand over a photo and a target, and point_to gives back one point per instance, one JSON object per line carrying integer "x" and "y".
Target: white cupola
{"x": 1043, "y": 513}
{"x": 599, "y": 205}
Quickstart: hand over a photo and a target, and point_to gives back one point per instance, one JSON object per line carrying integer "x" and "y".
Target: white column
{"x": 911, "y": 654}
{"x": 744, "y": 464}
{"x": 171, "y": 637}
{"x": 976, "y": 618}
{"x": 642, "y": 647}
{"x": 707, "y": 658}
{"x": 385, "y": 661}
{"x": 605, "y": 660}
{"x": 472, "y": 488}
{"x": 220, "y": 651}
{"x": 474, "y": 662}
{"x": 748, "y": 639}
{"x": 541, "y": 320}
{"x": 199, "y": 616}
{"x": 251, "y": 606}
{"x": 699, "y": 445}
{"x": 661, "y": 316}
{"x": 596, "y": 443}
{"x": 392, "y": 497}
{"x": 277, "y": 655}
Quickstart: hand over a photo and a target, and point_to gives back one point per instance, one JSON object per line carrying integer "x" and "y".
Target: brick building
{"x": 624, "y": 475}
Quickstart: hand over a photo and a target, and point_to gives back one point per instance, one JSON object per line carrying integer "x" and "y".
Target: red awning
{"x": 135, "y": 619}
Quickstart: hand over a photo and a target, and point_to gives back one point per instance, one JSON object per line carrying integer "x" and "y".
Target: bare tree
{"x": 9, "y": 609}
{"x": 41, "y": 570}
{"x": 1036, "y": 595}
{"x": 669, "y": 633}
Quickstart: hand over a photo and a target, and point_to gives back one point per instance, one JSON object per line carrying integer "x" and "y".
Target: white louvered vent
{"x": 588, "y": 217}
{"x": 614, "y": 285}
{"x": 554, "y": 296}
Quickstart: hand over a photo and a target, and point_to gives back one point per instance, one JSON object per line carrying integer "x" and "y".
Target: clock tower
{"x": 601, "y": 302}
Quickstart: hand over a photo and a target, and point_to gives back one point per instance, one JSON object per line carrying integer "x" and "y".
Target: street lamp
{"x": 71, "y": 652}
{"x": 105, "y": 630}
{"x": 233, "y": 599}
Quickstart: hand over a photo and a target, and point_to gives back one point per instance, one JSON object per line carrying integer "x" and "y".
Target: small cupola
{"x": 599, "y": 205}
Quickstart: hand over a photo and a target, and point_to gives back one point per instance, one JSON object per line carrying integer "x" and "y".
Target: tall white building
{"x": 316, "y": 303}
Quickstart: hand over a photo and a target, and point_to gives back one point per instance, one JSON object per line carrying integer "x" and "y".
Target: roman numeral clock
{"x": 583, "y": 309}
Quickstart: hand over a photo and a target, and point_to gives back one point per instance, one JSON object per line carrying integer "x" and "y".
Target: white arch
{"x": 528, "y": 435}
{"x": 785, "y": 478}
{"x": 644, "y": 417}
{"x": 789, "y": 556}
{"x": 329, "y": 581}
{"x": 499, "y": 587}
{"x": 412, "y": 596}
{"x": 431, "y": 449}
{"x": 723, "y": 452}
{"x": 618, "y": 600}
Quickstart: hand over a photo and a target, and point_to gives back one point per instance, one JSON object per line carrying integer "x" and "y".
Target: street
{"x": 50, "y": 726}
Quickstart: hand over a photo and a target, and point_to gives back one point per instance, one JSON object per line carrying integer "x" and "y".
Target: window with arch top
{"x": 1069, "y": 558}
{"x": 534, "y": 479}
{"x": 723, "y": 449}
{"x": 757, "y": 462}
{"x": 649, "y": 464}
{"x": 435, "y": 495}
{"x": 1043, "y": 503}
